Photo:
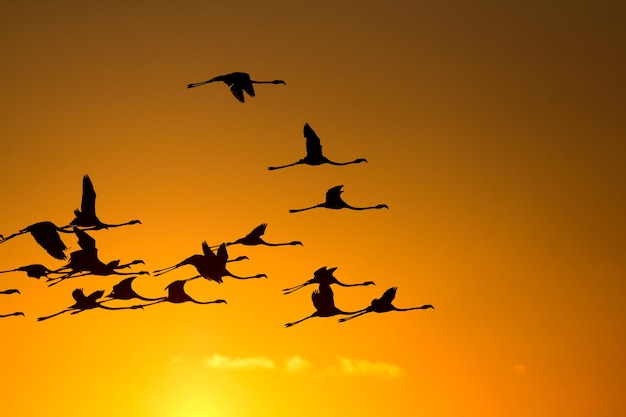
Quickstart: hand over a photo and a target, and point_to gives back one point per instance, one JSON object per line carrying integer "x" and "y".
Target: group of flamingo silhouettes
{"x": 211, "y": 265}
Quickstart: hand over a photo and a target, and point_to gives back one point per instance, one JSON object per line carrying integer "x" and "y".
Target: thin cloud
{"x": 356, "y": 367}
{"x": 296, "y": 364}
{"x": 225, "y": 362}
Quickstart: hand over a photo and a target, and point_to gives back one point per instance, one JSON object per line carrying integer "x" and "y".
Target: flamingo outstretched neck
{"x": 238, "y": 82}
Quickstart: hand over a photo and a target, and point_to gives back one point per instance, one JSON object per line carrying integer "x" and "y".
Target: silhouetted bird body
{"x": 176, "y": 294}
{"x": 324, "y": 276}
{"x": 254, "y": 238}
{"x": 384, "y": 304}
{"x": 86, "y": 216}
{"x": 86, "y": 262}
{"x": 314, "y": 155}
{"x": 238, "y": 82}
{"x": 123, "y": 290}
{"x": 87, "y": 302}
{"x": 33, "y": 271}
{"x": 46, "y": 234}
{"x": 211, "y": 266}
{"x": 335, "y": 202}
{"x": 324, "y": 303}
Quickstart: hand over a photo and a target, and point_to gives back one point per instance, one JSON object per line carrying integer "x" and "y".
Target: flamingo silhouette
{"x": 383, "y": 305}
{"x": 238, "y": 83}
{"x": 254, "y": 238}
{"x": 88, "y": 302}
{"x": 324, "y": 276}
{"x": 314, "y": 154}
{"x": 86, "y": 216}
{"x": 211, "y": 266}
{"x": 17, "y": 313}
{"x": 123, "y": 290}
{"x": 33, "y": 271}
{"x": 46, "y": 234}
{"x": 335, "y": 202}
{"x": 11, "y": 291}
{"x": 86, "y": 262}
{"x": 324, "y": 303}
{"x": 176, "y": 294}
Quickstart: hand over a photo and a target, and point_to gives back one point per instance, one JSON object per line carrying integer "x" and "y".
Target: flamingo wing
{"x": 222, "y": 254}
{"x": 387, "y": 297}
{"x": 85, "y": 241}
{"x": 313, "y": 144}
{"x": 207, "y": 250}
{"x": 334, "y": 194}
{"x": 88, "y": 202}
{"x": 258, "y": 231}
{"x": 237, "y": 91}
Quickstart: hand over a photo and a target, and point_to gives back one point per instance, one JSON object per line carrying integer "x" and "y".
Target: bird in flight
{"x": 239, "y": 82}
{"x": 335, "y": 202}
{"x": 33, "y": 271}
{"x": 383, "y": 305}
{"x": 211, "y": 266}
{"x": 86, "y": 216}
{"x": 314, "y": 154}
{"x": 46, "y": 234}
{"x": 86, "y": 262}
{"x": 123, "y": 290}
{"x": 324, "y": 303}
{"x": 254, "y": 238}
{"x": 176, "y": 294}
{"x": 324, "y": 276}
{"x": 87, "y": 302}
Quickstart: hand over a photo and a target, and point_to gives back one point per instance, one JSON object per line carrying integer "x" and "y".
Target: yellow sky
{"x": 493, "y": 132}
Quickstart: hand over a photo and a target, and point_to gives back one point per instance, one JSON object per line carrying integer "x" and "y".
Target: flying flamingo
{"x": 176, "y": 294}
{"x": 86, "y": 216}
{"x": 324, "y": 276}
{"x": 17, "y": 313}
{"x": 254, "y": 238}
{"x": 11, "y": 291}
{"x": 46, "y": 234}
{"x": 323, "y": 301}
{"x": 88, "y": 302}
{"x": 86, "y": 262}
{"x": 33, "y": 271}
{"x": 210, "y": 265}
{"x": 123, "y": 290}
{"x": 314, "y": 154}
{"x": 383, "y": 305}
{"x": 335, "y": 202}
{"x": 238, "y": 83}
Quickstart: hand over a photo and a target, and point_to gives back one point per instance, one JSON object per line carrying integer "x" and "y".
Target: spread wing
{"x": 313, "y": 144}
{"x": 237, "y": 91}
{"x": 258, "y": 231}
{"x": 387, "y": 297}
{"x": 248, "y": 87}
{"x": 88, "y": 202}
{"x": 323, "y": 298}
{"x": 334, "y": 193}
{"x": 85, "y": 241}
{"x": 222, "y": 254}
{"x": 78, "y": 295}
{"x": 207, "y": 250}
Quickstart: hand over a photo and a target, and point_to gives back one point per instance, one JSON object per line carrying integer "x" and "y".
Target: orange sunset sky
{"x": 494, "y": 131}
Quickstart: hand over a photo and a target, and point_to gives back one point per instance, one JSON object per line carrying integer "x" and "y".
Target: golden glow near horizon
{"x": 493, "y": 132}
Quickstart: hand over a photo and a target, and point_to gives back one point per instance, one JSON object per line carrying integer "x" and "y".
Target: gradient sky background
{"x": 494, "y": 132}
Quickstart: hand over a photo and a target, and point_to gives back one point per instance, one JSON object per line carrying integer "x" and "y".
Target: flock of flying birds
{"x": 210, "y": 265}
